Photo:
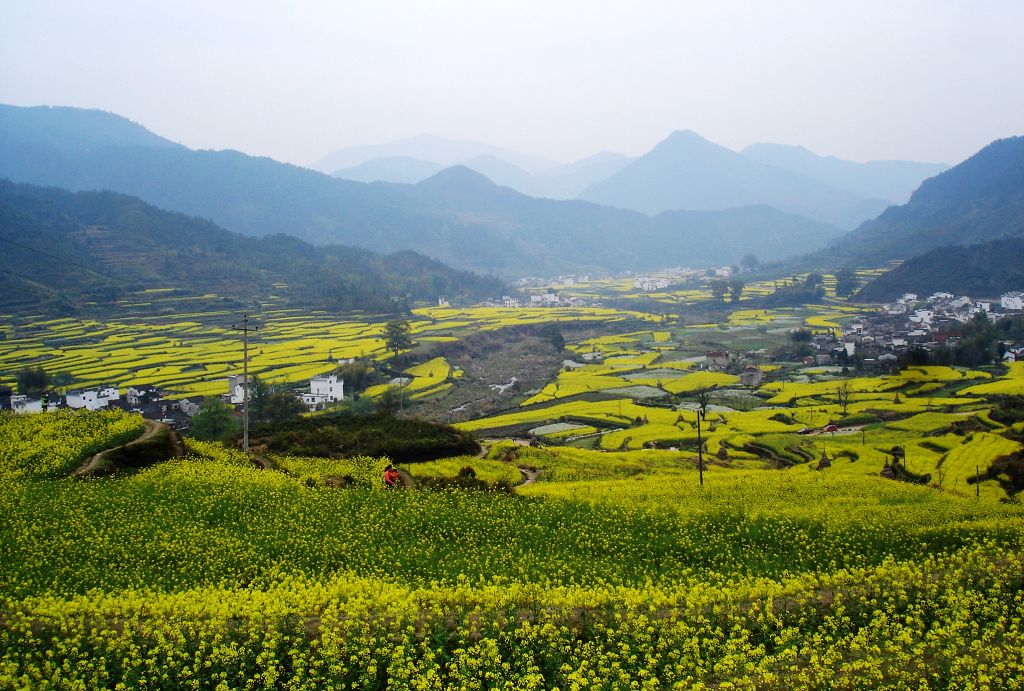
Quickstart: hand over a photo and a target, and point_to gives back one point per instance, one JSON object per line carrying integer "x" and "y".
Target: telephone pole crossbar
{"x": 245, "y": 329}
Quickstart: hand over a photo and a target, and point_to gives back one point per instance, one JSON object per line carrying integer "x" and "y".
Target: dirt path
{"x": 262, "y": 462}
{"x": 530, "y": 476}
{"x": 151, "y": 429}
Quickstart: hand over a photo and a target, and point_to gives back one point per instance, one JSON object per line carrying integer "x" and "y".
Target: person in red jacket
{"x": 391, "y": 477}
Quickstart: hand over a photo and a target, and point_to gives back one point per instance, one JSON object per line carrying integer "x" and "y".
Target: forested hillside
{"x": 63, "y": 249}
{"x": 983, "y": 270}
{"x": 978, "y": 200}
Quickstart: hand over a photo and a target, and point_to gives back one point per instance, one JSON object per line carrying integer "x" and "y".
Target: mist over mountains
{"x": 683, "y": 172}
{"x": 461, "y": 217}
{"x": 457, "y": 216}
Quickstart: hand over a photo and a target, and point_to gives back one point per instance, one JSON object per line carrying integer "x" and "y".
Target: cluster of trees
{"x": 731, "y": 288}
{"x": 795, "y": 292}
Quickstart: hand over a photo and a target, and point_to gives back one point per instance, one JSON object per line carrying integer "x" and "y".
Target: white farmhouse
{"x": 509, "y": 301}
{"x": 1012, "y": 301}
{"x": 236, "y": 389}
{"x": 323, "y": 389}
{"x": 544, "y": 299}
{"x": 93, "y": 399}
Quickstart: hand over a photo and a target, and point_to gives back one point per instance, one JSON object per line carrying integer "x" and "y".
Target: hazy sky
{"x": 927, "y": 80}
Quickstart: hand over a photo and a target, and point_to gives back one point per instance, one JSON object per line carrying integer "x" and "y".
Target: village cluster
{"x": 152, "y": 404}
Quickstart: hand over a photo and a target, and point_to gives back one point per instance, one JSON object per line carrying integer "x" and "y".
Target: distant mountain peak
{"x": 458, "y": 177}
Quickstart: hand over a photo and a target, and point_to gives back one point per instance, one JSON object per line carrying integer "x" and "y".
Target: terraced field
{"x": 193, "y": 354}
{"x": 926, "y": 413}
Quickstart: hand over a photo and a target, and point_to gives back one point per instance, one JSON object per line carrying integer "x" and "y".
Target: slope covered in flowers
{"x": 614, "y": 570}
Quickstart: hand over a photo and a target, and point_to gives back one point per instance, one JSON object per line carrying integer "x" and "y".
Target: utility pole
{"x": 245, "y": 329}
{"x": 702, "y": 411}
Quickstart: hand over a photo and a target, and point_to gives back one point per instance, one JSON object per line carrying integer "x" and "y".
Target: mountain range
{"x": 460, "y": 217}
{"x": 674, "y": 175}
{"x": 457, "y": 216}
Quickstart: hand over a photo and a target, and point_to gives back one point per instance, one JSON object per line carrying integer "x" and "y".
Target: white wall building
{"x": 509, "y": 301}
{"x": 236, "y": 389}
{"x": 544, "y": 299}
{"x": 1012, "y": 301}
{"x": 328, "y": 386}
{"x": 324, "y": 389}
{"x": 93, "y": 399}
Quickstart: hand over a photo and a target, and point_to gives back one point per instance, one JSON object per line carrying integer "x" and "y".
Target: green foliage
{"x": 32, "y": 381}
{"x": 402, "y": 440}
{"x": 282, "y": 407}
{"x": 553, "y": 335}
{"x": 397, "y": 335}
{"x": 801, "y": 335}
{"x": 719, "y": 288}
{"x": 846, "y": 282}
{"x": 356, "y": 375}
{"x": 214, "y": 420}
{"x": 814, "y": 280}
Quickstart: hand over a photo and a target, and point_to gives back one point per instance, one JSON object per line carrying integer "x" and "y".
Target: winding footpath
{"x": 151, "y": 429}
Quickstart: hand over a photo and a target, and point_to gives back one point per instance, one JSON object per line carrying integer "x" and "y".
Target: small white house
{"x": 329, "y": 386}
{"x": 93, "y": 399}
{"x": 509, "y": 301}
{"x": 1012, "y": 301}
{"x": 190, "y": 406}
{"x": 20, "y": 403}
{"x": 236, "y": 389}
{"x": 324, "y": 389}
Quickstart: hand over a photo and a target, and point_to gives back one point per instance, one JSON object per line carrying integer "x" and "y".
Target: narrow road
{"x": 151, "y": 428}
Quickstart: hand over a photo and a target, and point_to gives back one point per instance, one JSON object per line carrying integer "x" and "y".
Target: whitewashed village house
{"x": 93, "y": 399}
{"x": 324, "y": 389}
{"x": 1012, "y": 301}
{"x": 236, "y": 389}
